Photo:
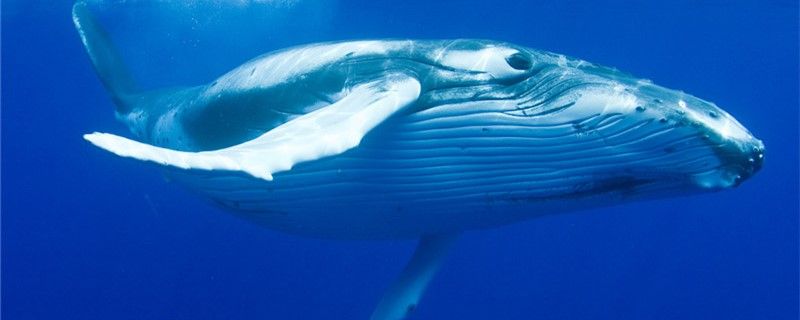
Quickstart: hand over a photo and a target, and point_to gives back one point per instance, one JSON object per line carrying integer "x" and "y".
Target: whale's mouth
{"x": 737, "y": 163}
{"x": 609, "y": 187}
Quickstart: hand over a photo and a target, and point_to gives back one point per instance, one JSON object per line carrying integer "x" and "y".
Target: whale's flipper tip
{"x": 125, "y": 147}
{"x": 212, "y": 160}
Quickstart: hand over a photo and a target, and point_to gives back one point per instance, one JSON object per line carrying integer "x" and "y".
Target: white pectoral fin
{"x": 125, "y": 147}
{"x": 325, "y": 132}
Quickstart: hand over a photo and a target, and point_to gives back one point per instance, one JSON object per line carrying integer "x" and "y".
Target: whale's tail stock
{"x": 106, "y": 60}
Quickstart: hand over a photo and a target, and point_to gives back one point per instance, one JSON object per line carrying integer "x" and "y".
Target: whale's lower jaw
{"x": 472, "y": 165}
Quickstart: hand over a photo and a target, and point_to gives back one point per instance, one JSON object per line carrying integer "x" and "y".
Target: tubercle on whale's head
{"x": 720, "y": 152}
{"x": 739, "y": 154}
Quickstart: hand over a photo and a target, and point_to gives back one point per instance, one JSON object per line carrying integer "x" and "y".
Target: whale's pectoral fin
{"x": 404, "y": 294}
{"x": 325, "y": 132}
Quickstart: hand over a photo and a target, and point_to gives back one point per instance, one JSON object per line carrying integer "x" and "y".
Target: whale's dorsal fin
{"x": 106, "y": 60}
{"x": 325, "y": 132}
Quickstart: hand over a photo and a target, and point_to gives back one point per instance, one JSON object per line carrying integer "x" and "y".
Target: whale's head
{"x": 726, "y": 153}
{"x": 659, "y": 137}
{"x": 592, "y": 130}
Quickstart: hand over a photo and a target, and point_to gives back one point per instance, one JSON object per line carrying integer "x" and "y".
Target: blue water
{"x": 86, "y": 235}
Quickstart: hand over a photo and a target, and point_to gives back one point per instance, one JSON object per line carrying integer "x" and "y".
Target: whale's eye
{"x": 519, "y": 61}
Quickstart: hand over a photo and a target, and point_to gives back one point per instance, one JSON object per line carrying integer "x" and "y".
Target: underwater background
{"x": 88, "y": 235}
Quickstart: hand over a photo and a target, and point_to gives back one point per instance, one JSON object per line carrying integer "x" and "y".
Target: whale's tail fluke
{"x": 107, "y": 62}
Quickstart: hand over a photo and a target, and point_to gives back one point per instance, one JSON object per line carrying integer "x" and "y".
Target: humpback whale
{"x": 422, "y": 139}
